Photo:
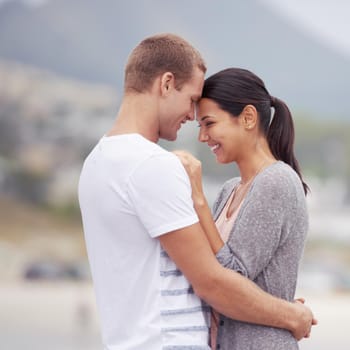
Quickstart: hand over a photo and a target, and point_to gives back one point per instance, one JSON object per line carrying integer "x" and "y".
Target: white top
{"x": 130, "y": 192}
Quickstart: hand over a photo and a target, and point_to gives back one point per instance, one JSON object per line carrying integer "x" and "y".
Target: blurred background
{"x": 61, "y": 73}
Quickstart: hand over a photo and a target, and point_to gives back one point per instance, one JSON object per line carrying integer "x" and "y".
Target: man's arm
{"x": 227, "y": 291}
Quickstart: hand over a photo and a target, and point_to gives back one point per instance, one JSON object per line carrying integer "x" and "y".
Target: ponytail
{"x": 280, "y": 137}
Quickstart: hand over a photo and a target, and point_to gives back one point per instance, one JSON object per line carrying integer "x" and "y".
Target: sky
{"x": 326, "y": 20}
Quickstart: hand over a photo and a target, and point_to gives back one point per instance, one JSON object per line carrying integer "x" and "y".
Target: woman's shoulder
{"x": 278, "y": 172}
{"x": 280, "y": 178}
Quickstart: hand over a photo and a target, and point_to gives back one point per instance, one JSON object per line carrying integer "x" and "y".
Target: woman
{"x": 261, "y": 216}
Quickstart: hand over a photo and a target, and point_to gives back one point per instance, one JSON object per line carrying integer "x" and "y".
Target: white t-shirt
{"x": 130, "y": 192}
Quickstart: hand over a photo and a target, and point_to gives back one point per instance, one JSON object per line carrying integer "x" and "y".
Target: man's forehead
{"x": 198, "y": 79}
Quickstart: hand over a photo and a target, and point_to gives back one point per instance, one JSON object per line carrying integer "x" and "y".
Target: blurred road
{"x": 62, "y": 316}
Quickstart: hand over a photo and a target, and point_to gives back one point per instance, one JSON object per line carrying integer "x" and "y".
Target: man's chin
{"x": 168, "y": 137}
{"x": 173, "y": 138}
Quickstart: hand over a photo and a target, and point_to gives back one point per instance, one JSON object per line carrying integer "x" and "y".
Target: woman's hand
{"x": 193, "y": 168}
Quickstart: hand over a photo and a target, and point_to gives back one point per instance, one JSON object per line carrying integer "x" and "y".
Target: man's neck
{"x": 137, "y": 114}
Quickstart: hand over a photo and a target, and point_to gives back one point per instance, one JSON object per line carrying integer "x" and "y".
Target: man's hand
{"x": 302, "y": 327}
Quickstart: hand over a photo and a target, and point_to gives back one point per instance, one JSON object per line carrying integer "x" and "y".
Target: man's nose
{"x": 191, "y": 115}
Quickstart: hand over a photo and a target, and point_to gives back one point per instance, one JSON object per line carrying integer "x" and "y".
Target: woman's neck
{"x": 255, "y": 161}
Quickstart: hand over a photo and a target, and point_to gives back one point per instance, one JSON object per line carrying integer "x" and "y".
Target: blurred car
{"x": 54, "y": 270}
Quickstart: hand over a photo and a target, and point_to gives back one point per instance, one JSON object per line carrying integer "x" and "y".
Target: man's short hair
{"x": 158, "y": 54}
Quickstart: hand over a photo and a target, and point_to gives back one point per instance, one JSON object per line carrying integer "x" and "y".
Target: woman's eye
{"x": 206, "y": 124}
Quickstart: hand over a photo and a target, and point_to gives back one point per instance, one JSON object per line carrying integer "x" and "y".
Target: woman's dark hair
{"x": 234, "y": 88}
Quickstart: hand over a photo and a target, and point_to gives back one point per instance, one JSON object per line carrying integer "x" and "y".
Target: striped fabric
{"x": 185, "y": 318}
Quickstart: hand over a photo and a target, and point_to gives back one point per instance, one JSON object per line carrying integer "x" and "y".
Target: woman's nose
{"x": 202, "y": 136}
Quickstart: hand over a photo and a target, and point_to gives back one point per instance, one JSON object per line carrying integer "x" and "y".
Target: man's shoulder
{"x": 146, "y": 148}
{"x": 152, "y": 160}
{"x": 131, "y": 148}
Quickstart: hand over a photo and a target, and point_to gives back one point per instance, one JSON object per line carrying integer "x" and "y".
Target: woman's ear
{"x": 249, "y": 117}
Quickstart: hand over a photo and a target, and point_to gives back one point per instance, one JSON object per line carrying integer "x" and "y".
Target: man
{"x": 148, "y": 254}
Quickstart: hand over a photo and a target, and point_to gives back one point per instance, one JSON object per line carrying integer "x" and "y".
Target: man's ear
{"x": 249, "y": 117}
{"x": 167, "y": 83}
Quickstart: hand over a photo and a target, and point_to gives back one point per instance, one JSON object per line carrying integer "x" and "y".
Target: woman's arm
{"x": 226, "y": 257}
{"x": 193, "y": 168}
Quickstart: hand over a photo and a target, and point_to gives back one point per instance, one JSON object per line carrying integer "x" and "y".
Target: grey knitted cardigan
{"x": 265, "y": 244}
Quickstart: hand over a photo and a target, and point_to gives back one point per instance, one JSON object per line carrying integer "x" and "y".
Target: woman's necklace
{"x": 240, "y": 192}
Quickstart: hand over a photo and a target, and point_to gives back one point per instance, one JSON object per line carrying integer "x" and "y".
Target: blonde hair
{"x": 158, "y": 54}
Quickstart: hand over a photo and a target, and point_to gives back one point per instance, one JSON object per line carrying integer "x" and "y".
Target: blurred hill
{"x": 90, "y": 40}
{"x": 47, "y": 126}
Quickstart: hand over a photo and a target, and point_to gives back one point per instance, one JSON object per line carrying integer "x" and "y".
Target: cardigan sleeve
{"x": 223, "y": 195}
{"x": 259, "y": 225}
{"x": 224, "y": 256}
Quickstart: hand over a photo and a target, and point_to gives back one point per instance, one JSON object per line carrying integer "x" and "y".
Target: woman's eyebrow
{"x": 204, "y": 117}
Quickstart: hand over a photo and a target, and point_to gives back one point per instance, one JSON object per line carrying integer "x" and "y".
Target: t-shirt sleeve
{"x": 160, "y": 192}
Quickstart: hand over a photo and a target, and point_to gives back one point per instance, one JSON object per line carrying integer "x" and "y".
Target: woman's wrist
{"x": 199, "y": 201}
